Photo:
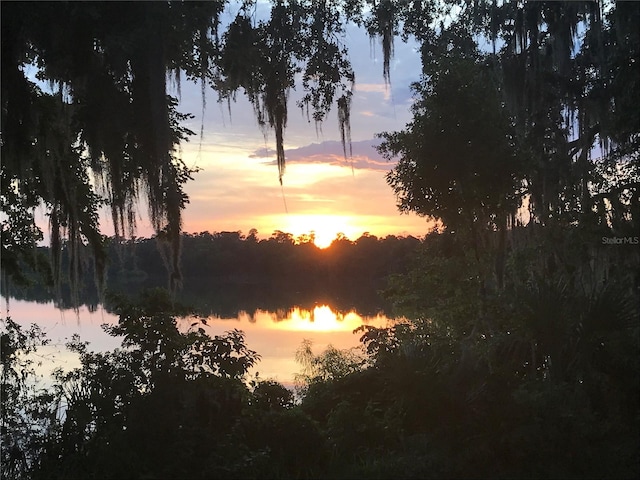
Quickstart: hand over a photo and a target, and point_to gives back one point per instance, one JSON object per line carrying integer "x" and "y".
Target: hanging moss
{"x": 383, "y": 25}
{"x": 344, "y": 121}
{"x": 264, "y": 58}
{"x": 110, "y": 115}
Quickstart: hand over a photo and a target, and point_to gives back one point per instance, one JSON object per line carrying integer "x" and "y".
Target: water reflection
{"x": 275, "y": 335}
{"x": 320, "y": 319}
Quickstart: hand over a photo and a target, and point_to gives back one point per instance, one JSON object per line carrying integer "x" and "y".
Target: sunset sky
{"x": 238, "y": 189}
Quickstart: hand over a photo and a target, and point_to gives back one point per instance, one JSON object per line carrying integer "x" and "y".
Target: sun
{"x": 324, "y": 228}
{"x": 323, "y": 239}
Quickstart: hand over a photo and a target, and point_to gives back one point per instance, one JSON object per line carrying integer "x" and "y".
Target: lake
{"x": 275, "y": 335}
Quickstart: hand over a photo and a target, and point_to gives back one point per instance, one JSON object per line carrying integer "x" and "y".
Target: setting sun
{"x": 323, "y": 239}
{"x": 324, "y": 228}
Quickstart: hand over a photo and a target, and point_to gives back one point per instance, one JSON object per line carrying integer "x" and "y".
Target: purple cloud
{"x": 364, "y": 154}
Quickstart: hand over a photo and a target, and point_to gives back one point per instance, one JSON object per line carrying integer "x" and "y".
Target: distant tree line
{"x": 231, "y": 257}
{"x": 224, "y": 272}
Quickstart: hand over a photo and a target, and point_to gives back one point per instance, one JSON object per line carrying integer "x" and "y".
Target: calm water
{"x": 275, "y": 335}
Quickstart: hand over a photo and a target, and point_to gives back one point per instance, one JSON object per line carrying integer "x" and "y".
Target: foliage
{"x": 518, "y": 312}
{"x": 457, "y": 157}
{"x": 28, "y": 409}
{"x": 550, "y": 345}
{"x": 153, "y": 341}
{"x": 328, "y": 366}
{"x": 169, "y": 403}
{"x": 270, "y": 395}
{"x": 106, "y": 112}
{"x": 290, "y": 443}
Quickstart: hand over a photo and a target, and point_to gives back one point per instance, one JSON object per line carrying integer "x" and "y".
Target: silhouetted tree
{"x": 106, "y": 130}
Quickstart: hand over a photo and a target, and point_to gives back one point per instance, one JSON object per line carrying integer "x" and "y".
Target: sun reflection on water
{"x": 320, "y": 319}
{"x": 276, "y": 336}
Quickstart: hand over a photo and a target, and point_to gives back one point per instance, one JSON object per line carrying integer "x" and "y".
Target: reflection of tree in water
{"x": 225, "y": 273}
{"x": 228, "y": 300}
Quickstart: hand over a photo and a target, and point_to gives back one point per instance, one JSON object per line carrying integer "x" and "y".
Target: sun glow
{"x": 323, "y": 228}
{"x": 320, "y": 319}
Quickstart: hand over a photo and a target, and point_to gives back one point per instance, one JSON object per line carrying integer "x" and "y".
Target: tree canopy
{"x": 538, "y": 98}
{"x": 559, "y": 78}
{"x": 521, "y": 119}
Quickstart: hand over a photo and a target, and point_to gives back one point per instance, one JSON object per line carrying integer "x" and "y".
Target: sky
{"x": 237, "y": 187}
